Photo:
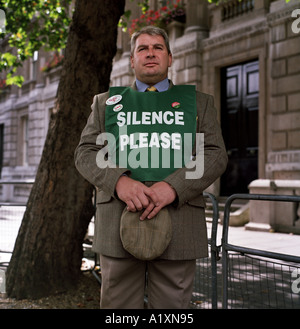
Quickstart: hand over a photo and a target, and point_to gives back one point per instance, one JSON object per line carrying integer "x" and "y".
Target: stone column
{"x": 187, "y": 55}
{"x": 197, "y": 17}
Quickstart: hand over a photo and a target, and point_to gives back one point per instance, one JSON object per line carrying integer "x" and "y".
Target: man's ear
{"x": 170, "y": 60}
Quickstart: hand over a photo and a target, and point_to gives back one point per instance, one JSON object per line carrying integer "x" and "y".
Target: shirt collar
{"x": 160, "y": 86}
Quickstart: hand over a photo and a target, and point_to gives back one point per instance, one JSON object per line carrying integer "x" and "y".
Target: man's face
{"x": 151, "y": 59}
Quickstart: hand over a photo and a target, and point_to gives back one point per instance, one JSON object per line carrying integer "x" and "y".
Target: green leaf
{"x": 32, "y": 25}
{"x": 16, "y": 80}
{"x": 9, "y": 59}
{"x": 127, "y": 14}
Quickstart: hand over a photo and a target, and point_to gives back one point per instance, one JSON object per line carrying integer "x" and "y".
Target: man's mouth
{"x": 151, "y": 64}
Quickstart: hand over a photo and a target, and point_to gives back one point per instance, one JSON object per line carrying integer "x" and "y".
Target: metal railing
{"x": 242, "y": 261}
{"x": 235, "y": 8}
{"x": 205, "y": 294}
{"x": 11, "y": 214}
{"x": 214, "y": 249}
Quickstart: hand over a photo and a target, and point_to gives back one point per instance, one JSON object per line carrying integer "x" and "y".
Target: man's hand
{"x": 135, "y": 194}
{"x": 166, "y": 195}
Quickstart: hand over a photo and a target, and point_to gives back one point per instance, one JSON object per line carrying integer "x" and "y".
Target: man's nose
{"x": 150, "y": 52}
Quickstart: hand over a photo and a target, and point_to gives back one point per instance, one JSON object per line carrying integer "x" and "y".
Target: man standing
{"x": 140, "y": 120}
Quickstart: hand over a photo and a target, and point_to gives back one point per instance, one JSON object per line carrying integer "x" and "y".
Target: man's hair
{"x": 150, "y": 30}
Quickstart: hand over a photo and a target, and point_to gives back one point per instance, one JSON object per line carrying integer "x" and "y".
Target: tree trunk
{"x": 48, "y": 250}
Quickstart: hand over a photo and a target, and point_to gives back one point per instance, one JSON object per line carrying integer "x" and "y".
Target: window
{"x": 24, "y": 141}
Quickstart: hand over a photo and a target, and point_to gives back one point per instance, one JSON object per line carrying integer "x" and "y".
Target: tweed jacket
{"x": 189, "y": 232}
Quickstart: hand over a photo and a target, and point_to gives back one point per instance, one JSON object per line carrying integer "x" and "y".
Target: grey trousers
{"x": 169, "y": 283}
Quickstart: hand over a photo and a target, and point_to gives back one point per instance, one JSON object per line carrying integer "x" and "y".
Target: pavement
{"x": 10, "y": 221}
{"x": 284, "y": 243}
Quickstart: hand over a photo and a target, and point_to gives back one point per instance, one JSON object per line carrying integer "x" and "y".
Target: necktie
{"x": 152, "y": 88}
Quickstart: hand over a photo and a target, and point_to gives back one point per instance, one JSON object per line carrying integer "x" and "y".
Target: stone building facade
{"x": 24, "y": 119}
{"x": 245, "y": 53}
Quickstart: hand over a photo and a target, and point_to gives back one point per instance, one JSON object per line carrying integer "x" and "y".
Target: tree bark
{"x": 48, "y": 250}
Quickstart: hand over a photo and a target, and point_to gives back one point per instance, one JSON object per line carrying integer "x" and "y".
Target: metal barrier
{"x": 11, "y": 215}
{"x": 214, "y": 249}
{"x": 205, "y": 294}
{"x": 268, "y": 278}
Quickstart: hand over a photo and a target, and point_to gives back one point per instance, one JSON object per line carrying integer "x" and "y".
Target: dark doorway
{"x": 239, "y": 121}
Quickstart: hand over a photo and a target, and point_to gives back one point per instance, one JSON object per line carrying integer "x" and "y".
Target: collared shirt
{"x": 160, "y": 86}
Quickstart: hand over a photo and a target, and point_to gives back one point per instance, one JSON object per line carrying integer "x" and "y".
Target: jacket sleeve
{"x": 211, "y": 163}
{"x": 90, "y": 144}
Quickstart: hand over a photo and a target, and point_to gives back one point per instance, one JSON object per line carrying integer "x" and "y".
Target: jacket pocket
{"x": 197, "y": 201}
{"x": 103, "y": 197}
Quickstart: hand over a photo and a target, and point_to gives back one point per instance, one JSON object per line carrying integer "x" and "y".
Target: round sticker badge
{"x": 118, "y": 107}
{"x": 176, "y": 105}
{"x": 114, "y": 100}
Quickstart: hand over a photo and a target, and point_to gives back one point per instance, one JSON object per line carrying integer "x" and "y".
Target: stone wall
{"x": 25, "y": 114}
{"x": 283, "y": 123}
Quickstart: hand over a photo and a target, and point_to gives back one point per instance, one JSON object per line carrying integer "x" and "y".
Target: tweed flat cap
{"x": 147, "y": 239}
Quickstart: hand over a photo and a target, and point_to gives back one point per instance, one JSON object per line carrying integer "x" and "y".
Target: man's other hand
{"x": 166, "y": 195}
{"x": 135, "y": 194}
